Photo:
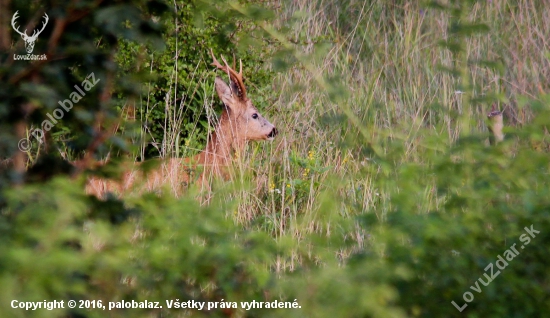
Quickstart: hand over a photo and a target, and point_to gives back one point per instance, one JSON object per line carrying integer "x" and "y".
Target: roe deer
{"x": 239, "y": 123}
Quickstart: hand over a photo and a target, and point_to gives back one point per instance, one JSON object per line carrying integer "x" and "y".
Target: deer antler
{"x": 236, "y": 78}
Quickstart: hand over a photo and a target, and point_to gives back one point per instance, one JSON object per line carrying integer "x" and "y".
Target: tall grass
{"x": 393, "y": 76}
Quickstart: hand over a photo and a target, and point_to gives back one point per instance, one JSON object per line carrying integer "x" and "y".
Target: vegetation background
{"x": 379, "y": 198}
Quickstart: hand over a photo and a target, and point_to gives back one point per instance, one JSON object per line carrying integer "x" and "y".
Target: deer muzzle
{"x": 272, "y": 134}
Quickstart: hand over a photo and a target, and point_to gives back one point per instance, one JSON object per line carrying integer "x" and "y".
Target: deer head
{"x": 29, "y": 40}
{"x": 242, "y": 119}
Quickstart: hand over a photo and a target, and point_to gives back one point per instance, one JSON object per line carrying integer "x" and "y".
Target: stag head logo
{"x": 29, "y": 40}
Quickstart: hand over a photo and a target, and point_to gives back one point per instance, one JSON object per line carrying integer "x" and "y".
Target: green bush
{"x": 173, "y": 100}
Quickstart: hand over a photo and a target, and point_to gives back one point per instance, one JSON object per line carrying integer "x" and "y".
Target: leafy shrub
{"x": 172, "y": 106}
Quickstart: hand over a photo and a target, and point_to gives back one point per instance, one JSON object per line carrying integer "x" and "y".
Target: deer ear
{"x": 224, "y": 92}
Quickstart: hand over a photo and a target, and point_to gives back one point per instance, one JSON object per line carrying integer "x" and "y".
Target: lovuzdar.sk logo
{"x": 29, "y": 40}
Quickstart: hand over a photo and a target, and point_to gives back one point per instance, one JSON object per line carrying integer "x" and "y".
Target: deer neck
{"x": 224, "y": 144}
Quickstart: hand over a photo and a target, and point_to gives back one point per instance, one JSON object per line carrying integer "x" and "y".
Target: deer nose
{"x": 273, "y": 133}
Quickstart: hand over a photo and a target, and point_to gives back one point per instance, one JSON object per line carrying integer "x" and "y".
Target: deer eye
{"x": 255, "y": 116}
